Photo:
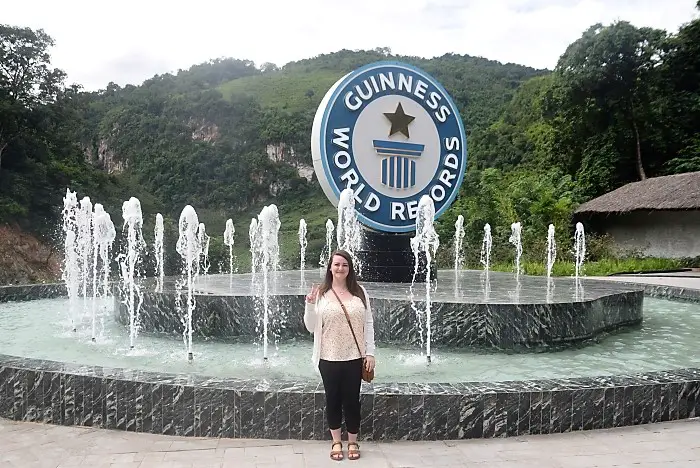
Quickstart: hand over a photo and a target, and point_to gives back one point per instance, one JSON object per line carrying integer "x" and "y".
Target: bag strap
{"x": 348, "y": 319}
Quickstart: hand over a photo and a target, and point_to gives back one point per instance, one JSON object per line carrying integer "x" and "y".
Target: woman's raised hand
{"x": 311, "y": 297}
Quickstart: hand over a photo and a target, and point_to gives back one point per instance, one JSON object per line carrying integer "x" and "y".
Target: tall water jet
{"x": 425, "y": 244}
{"x": 458, "y": 241}
{"x": 486, "y": 244}
{"x": 302, "y": 245}
{"x": 349, "y": 232}
{"x": 254, "y": 249}
{"x": 328, "y": 248}
{"x": 268, "y": 226}
{"x": 229, "y": 233}
{"x": 551, "y": 250}
{"x": 103, "y": 237}
{"x": 159, "y": 232}
{"x": 189, "y": 248}
{"x": 515, "y": 239}
{"x": 84, "y": 244}
{"x": 579, "y": 248}
{"x": 203, "y": 239}
{"x": 71, "y": 264}
{"x": 133, "y": 223}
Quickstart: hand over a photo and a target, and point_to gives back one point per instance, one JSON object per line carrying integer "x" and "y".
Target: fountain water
{"x": 203, "y": 239}
{"x": 71, "y": 267}
{"x": 254, "y": 247}
{"x": 189, "y": 248}
{"x": 486, "y": 247}
{"x": 349, "y": 232}
{"x": 103, "y": 237}
{"x": 84, "y": 243}
{"x": 328, "y": 249}
{"x": 551, "y": 250}
{"x": 425, "y": 243}
{"x": 158, "y": 233}
{"x": 268, "y": 225}
{"x": 579, "y": 248}
{"x": 515, "y": 239}
{"x": 133, "y": 222}
{"x": 228, "y": 241}
{"x": 302, "y": 244}
{"x": 458, "y": 240}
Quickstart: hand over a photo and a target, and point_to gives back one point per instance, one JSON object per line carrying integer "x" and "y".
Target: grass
{"x": 603, "y": 267}
{"x": 285, "y": 90}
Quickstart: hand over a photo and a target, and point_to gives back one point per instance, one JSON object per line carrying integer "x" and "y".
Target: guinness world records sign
{"x": 392, "y": 133}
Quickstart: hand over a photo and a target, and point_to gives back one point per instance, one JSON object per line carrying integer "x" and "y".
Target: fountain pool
{"x": 640, "y": 373}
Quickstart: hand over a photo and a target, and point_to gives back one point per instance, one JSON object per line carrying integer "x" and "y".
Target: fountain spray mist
{"x": 133, "y": 222}
{"x": 268, "y": 225}
{"x": 229, "y": 234}
{"x": 158, "y": 233}
{"x": 486, "y": 244}
{"x": 103, "y": 237}
{"x": 458, "y": 241}
{"x": 189, "y": 248}
{"x": 302, "y": 245}
{"x": 551, "y": 250}
{"x": 71, "y": 267}
{"x": 579, "y": 248}
{"x": 425, "y": 242}
{"x": 515, "y": 239}
{"x": 349, "y": 232}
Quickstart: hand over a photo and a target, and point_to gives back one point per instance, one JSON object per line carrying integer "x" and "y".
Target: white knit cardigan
{"x": 314, "y": 322}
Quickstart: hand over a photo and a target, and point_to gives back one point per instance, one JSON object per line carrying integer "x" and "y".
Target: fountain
{"x": 424, "y": 245}
{"x": 129, "y": 261}
{"x": 104, "y": 235}
{"x": 516, "y": 241}
{"x": 83, "y": 220}
{"x": 349, "y": 232}
{"x": 485, "y": 258}
{"x": 458, "y": 240}
{"x": 328, "y": 249}
{"x": 551, "y": 250}
{"x": 71, "y": 268}
{"x": 203, "y": 239}
{"x": 190, "y": 249}
{"x": 158, "y": 233}
{"x": 579, "y": 249}
{"x": 268, "y": 225}
{"x": 254, "y": 239}
{"x": 228, "y": 241}
{"x": 302, "y": 245}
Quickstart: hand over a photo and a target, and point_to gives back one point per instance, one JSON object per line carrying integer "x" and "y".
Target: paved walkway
{"x": 687, "y": 279}
{"x": 26, "y": 445}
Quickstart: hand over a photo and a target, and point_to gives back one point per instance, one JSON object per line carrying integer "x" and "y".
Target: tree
{"x": 605, "y": 85}
{"x": 26, "y": 79}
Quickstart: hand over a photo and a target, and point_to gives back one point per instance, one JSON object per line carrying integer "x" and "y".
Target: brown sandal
{"x": 337, "y": 455}
{"x": 354, "y": 454}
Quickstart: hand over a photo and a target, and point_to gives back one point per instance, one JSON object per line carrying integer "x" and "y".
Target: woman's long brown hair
{"x": 350, "y": 280}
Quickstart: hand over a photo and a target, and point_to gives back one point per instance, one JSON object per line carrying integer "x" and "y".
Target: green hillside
{"x": 291, "y": 91}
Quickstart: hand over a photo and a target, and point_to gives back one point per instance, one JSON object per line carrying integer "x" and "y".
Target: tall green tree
{"x": 601, "y": 105}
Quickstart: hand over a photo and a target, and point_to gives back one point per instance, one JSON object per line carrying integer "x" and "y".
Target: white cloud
{"x": 129, "y": 41}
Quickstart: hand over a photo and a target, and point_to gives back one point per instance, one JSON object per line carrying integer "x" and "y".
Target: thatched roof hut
{"x": 658, "y": 217}
{"x": 668, "y": 193}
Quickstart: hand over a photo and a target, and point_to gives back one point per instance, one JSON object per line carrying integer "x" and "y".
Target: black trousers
{"x": 341, "y": 381}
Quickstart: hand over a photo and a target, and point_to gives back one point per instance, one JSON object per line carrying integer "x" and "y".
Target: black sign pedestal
{"x": 388, "y": 258}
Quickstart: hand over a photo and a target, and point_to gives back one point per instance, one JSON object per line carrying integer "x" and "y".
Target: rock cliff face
{"x": 25, "y": 259}
{"x": 281, "y": 152}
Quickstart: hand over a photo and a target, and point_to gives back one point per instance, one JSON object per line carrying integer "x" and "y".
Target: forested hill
{"x": 226, "y": 134}
{"x": 228, "y": 137}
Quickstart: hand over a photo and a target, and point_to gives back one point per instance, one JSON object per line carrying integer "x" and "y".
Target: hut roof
{"x": 673, "y": 192}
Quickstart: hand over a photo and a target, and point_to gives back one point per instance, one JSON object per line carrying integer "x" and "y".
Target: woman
{"x": 336, "y": 353}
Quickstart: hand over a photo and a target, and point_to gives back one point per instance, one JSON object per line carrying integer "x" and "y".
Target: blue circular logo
{"x": 391, "y": 133}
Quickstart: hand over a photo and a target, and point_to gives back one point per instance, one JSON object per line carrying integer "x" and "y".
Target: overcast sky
{"x": 128, "y": 41}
